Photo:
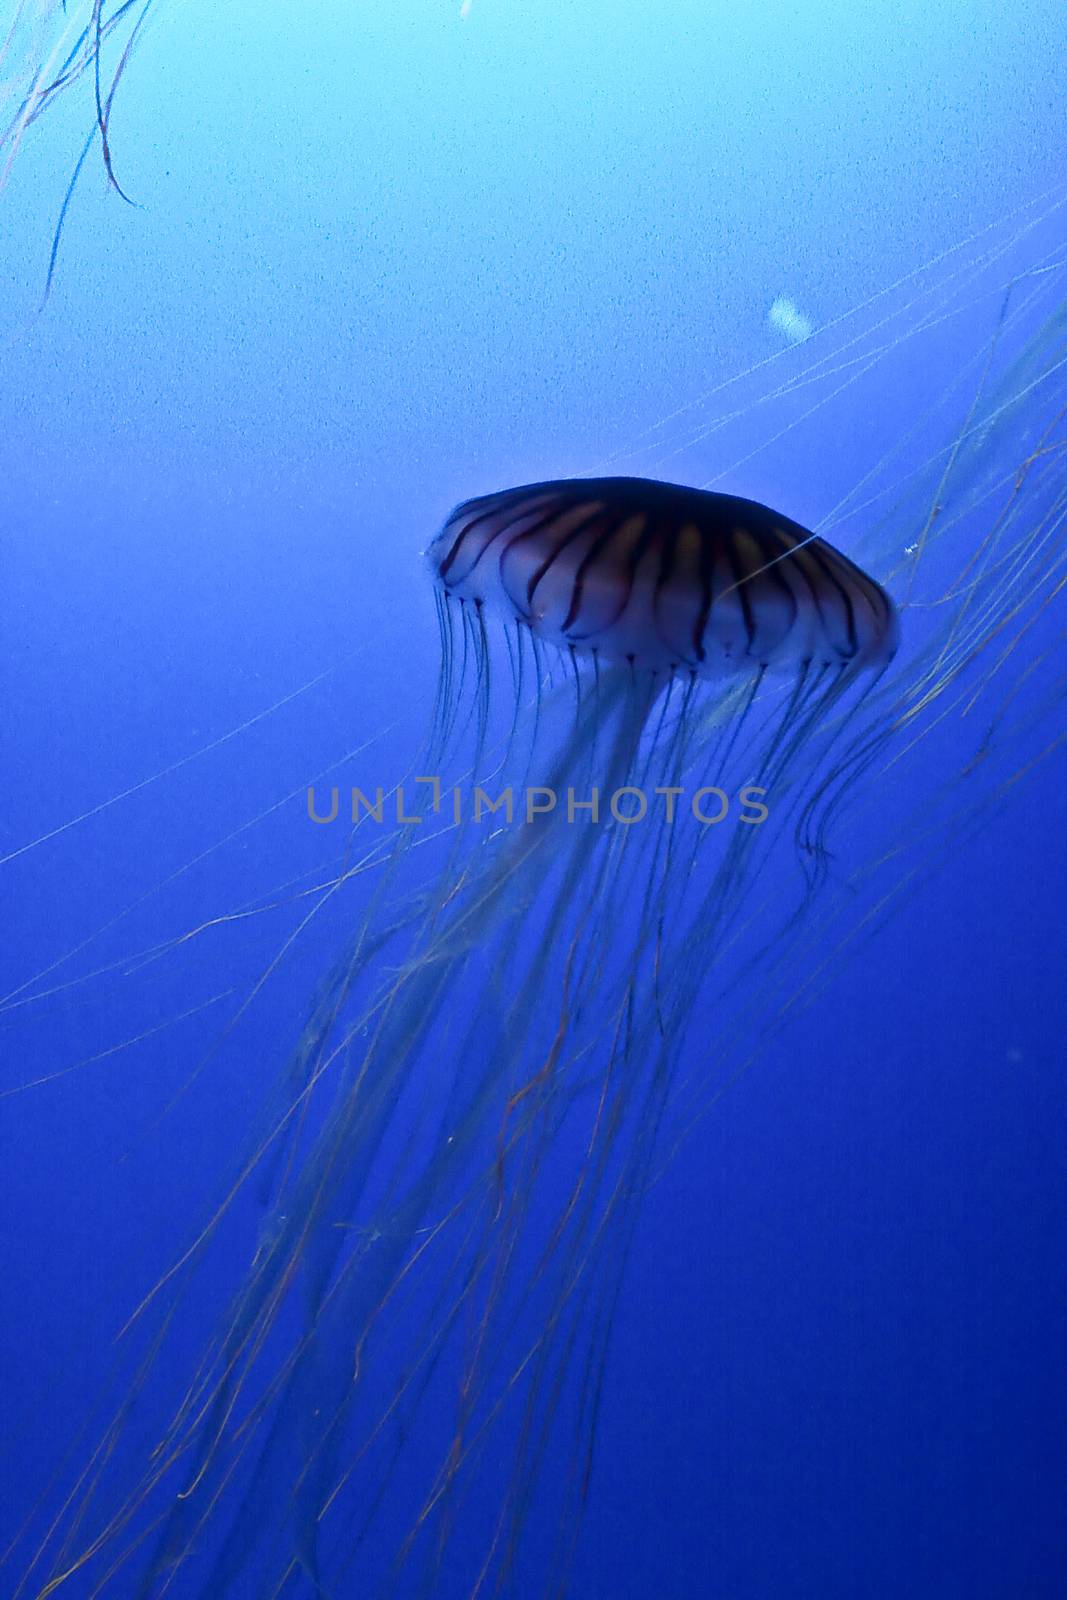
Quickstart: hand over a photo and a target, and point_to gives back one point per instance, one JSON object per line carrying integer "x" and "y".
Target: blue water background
{"x": 384, "y": 258}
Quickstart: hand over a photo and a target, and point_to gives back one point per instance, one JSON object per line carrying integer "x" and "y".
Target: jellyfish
{"x": 651, "y": 594}
{"x": 613, "y": 872}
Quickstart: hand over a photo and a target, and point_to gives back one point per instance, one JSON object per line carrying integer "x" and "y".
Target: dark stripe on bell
{"x": 818, "y": 553}
{"x": 773, "y": 570}
{"x": 595, "y": 515}
{"x": 596, "y": 549}
{"x": 741, "y": 579}
{"x": 707, "y": 596}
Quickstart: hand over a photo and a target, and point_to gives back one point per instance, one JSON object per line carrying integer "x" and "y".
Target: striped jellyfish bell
{"x": 665, "y": 577}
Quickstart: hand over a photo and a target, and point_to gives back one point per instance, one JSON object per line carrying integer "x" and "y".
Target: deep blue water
{"x": 383, "y": 258}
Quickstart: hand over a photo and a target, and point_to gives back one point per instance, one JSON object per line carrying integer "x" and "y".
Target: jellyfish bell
{"x": 663, "y": 577}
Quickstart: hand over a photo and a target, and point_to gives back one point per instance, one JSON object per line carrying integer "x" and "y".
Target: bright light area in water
{"x": 785, "y": 318}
